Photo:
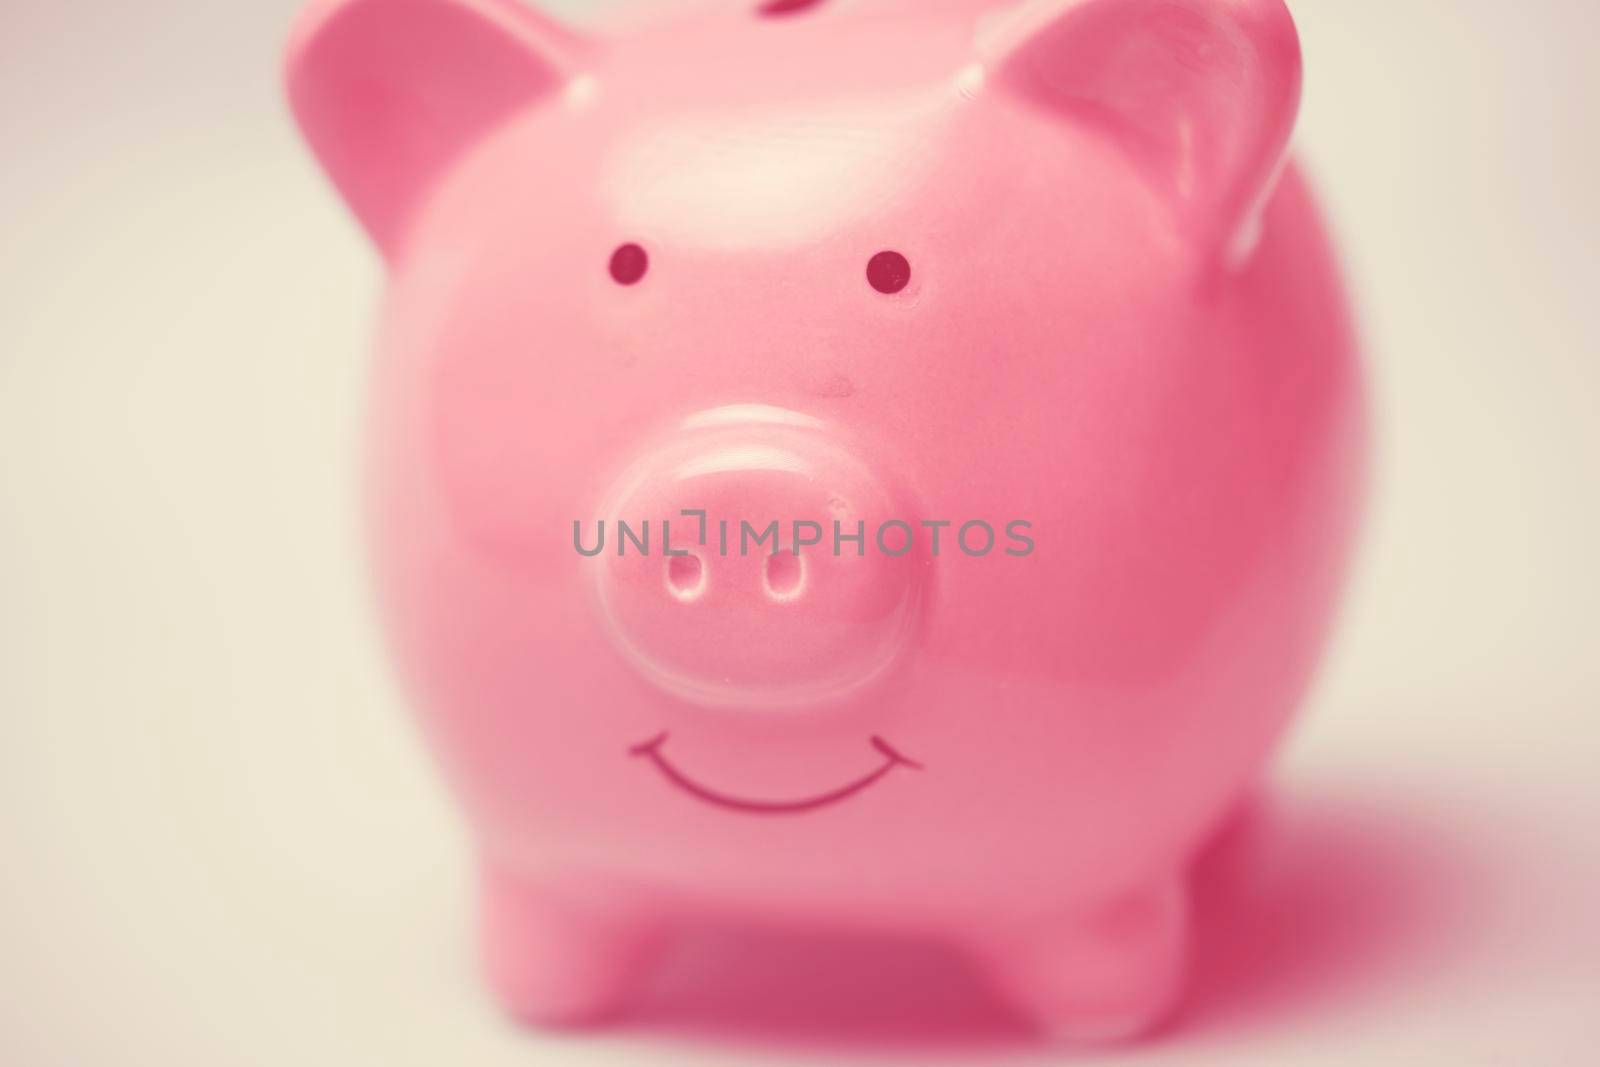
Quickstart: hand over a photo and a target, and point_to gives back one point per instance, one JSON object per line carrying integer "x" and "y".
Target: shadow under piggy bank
{"x": 1303, "y": 904}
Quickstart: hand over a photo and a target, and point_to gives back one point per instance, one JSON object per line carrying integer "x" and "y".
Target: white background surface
{"x": 222, "y": 843}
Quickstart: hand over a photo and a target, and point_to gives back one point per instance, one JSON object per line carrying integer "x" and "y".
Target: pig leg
{"x": 1103, "y": 973}
{"x": 559, "y": 957}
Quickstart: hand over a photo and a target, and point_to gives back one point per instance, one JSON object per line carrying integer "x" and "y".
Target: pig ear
{"x": 1202, "y": 94}
{"x": 389, "y": 92}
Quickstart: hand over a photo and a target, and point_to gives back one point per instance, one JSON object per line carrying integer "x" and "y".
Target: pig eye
{"x": 889, "y": 272}
{"x": 629, "y": 264}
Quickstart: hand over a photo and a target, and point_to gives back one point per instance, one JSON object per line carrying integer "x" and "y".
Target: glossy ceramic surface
{"x": 1020, "y": 296}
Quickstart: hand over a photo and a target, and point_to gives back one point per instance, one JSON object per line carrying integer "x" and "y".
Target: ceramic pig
{"x": 860, "y": 463}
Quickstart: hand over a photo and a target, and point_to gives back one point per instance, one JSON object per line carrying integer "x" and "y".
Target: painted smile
{"x": 651, "y": 750}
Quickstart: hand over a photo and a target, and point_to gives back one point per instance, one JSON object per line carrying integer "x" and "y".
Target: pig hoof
{"x": 557, "y": 959}
{"x": 1103, "y": 975}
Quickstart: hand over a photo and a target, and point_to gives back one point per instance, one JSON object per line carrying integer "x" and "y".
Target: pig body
{"x": 917, "y": 271}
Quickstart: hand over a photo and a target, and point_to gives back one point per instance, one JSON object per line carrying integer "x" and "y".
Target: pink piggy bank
{"x": 886, "y": 464}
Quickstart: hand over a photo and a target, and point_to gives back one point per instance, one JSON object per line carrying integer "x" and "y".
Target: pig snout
{"x": 754, "y": 560}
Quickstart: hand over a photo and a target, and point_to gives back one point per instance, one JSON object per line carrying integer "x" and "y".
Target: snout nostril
{"x": 785, "y": 576}
{"x": 686, "y": 577}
